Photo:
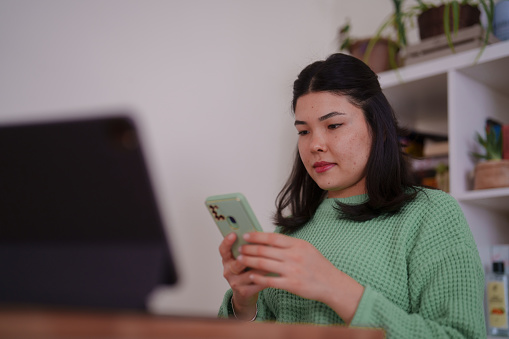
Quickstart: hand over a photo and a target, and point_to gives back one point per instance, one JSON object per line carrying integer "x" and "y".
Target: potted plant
{"x": 450, "y": 16}
{"x": 380, "y": 55}
{"x": 444, "y": 18}
{"x": 493, "y": 171}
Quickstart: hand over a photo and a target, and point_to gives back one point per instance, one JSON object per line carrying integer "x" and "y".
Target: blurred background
{"x": 209, "y": 83}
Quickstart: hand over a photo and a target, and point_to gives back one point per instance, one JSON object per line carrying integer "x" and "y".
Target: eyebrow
{"x": 322, "y": 118}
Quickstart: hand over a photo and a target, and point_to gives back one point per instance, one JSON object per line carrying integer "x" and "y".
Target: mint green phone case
{"x": 232, "y": 213}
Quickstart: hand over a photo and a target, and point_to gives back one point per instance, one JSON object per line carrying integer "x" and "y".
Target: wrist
{"x": 245, "y": 313}
{"x": 345, "y": 300}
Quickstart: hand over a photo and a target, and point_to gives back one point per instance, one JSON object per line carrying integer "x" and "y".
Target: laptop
{"x": 79, "y": 221}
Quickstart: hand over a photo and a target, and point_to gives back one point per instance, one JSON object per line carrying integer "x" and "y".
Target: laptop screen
{"x": 79, "y": 221}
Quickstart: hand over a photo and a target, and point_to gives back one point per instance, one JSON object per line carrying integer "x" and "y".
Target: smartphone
{"x": 232, "y": 213}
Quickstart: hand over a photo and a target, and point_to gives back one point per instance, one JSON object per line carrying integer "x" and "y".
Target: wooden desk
{"x": 57, "y": 324}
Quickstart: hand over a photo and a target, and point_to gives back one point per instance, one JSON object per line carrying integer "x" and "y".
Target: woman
{"x": 357, "y": 243}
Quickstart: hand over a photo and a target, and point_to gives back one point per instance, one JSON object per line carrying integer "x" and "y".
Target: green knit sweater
{"x": 421, "y": 271}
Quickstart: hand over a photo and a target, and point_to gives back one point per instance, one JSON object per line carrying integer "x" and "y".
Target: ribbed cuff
{"x": 365, "y": 308}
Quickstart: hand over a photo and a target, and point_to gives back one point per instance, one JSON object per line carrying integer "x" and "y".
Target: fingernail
{"x": 240, "y": 257}
{"x": 231, "y": 236}
{"x": 247, "y": 236}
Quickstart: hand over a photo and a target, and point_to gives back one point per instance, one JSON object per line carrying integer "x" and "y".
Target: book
{"x": 505, "y": 141}
{"x": 419, "y": 144}
{"x": 434, "y": 148}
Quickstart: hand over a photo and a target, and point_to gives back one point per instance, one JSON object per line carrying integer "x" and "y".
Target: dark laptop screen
{"x": 79, "y": 222}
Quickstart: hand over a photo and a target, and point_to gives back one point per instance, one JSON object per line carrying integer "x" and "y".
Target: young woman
{"x": 357, "y": 243}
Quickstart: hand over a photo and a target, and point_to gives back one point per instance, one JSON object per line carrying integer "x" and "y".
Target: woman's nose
{"x": 318, "y": 145}
{"x": 318, "y": 148}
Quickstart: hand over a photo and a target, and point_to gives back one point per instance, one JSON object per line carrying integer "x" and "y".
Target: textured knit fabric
{"x": 421, "y": 271}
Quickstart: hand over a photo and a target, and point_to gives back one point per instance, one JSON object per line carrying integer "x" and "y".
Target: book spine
{"x": 505, "y": 141}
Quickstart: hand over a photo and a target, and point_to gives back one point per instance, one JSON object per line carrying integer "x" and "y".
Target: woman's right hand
{"x": 245, "y": 292}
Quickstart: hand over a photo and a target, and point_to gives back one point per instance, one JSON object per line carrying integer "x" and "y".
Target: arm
{"x": 445, "y": 278}
{"x": 447, "y": 296}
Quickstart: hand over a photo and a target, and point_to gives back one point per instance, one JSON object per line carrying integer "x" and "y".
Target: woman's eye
{"x": 334, "y": 126}
{"x": 302, "y": 132}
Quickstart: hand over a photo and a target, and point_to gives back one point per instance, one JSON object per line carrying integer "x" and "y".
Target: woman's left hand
{"x": 300, "y": 269}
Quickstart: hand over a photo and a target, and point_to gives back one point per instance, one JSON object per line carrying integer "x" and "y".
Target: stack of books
{"x": 430, "y": 158}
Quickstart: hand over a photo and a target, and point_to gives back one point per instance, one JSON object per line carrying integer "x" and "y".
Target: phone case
{"x": 232, "y": 213}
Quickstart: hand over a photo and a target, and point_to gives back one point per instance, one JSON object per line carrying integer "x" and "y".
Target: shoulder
{"x": 435, "y": 202}
{"x": 442, "y": 223}
{"x": 431, "y": 209}
{"x": 432, "y": 196}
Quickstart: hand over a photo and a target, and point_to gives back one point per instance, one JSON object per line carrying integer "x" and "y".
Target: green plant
{"x": 403, "y": 18}
{"x": 442, "y": 168}
{"x": 345, "y": 42}
{"x": 492, "y": 145}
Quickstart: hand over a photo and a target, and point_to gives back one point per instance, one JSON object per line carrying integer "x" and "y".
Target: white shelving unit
{"x": 454, "y": 96}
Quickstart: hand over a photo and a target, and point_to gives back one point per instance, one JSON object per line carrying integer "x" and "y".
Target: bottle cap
{"x": 498, "y": 267}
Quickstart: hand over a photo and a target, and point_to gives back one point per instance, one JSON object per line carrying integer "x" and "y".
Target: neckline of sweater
{"x": 353, "y": 200}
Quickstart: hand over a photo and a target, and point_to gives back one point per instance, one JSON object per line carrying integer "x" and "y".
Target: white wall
{"x": 209, "y": 82}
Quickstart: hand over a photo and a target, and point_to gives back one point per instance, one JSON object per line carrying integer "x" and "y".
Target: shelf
{"x": 453, "y": 95}
{"x": 442, "y": 65}
{"x": 493, "y": 199}
{"x": 419, "y": 93}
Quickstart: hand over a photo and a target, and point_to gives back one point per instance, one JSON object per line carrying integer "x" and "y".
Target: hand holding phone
{"x": 232, "y": 213}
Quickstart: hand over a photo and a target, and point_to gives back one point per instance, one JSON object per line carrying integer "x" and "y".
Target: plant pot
{"x": 380, "y": 57}
{"x": 431, "y": 21}
{"x": 491, "y": 174}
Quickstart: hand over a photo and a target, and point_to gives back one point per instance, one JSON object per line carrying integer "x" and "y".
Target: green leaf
{"x": 456, "y": 15}
{"x": 492, "y": 145}
{"x": 489, "y": 11}
{"x": 345, "y": 45}
{"x": 447, "y": 27}
{"x": 400, "y": 25}
{"x": 422, "y": 6}
{"x": 479, "y": 156}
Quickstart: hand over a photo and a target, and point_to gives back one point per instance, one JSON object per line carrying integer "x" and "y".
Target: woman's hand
{"x": 245, "y": 292}
{"x": 301, "y": 269}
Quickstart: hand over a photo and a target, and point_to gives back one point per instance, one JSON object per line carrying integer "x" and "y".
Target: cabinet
{"x": 453, "y": 95}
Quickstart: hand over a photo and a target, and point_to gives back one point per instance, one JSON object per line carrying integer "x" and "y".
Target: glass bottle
{"x": 497, "y": 301}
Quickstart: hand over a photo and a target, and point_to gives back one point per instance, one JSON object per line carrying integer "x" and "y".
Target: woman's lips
{"x": 323, "y": 166}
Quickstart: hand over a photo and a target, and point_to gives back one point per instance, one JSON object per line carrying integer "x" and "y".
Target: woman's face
{"x": 334, "y": 142}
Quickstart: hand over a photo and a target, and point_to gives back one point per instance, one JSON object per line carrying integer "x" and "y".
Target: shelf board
{"x": 494, "y": 198}
{"x": 442, "y": 65}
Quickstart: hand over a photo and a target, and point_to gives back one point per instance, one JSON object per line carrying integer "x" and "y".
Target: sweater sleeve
{"x": 450, "y": 304}
{"x": 446, "y": 285}
{"x": 225, "y": 310}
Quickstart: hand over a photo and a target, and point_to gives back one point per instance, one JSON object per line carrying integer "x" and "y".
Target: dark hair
{"x": 389, "y": 182}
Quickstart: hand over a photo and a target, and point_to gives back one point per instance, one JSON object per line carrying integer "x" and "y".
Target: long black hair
{"x": 389, "y": 182}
